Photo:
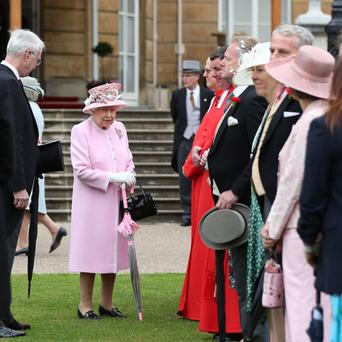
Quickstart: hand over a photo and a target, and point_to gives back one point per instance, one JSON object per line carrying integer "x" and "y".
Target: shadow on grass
{"x": 51, "y": 310}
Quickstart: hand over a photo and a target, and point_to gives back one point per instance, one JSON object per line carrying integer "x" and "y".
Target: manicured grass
{"x": 51, "y": 310}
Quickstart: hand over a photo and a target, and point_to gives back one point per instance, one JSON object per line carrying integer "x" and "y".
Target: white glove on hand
{"x": 122, "y": 177}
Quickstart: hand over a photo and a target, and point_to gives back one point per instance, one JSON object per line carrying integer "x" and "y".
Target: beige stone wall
{"x": 199, "y": 22}
{"x": 108, "y": 32}
{"x": 64, "y": 32}
{"x": 66, "y": 27}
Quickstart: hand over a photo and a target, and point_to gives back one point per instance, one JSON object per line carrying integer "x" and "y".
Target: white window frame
{"x": 227, "y": 29}
{"x": 132, "y": 98}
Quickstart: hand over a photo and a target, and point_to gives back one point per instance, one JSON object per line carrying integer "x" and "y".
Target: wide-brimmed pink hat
{"x": 310, "y": 71}
{"x": 106, "y": 95}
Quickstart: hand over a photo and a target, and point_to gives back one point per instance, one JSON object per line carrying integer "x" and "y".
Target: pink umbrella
{"x": 127, "y": 228}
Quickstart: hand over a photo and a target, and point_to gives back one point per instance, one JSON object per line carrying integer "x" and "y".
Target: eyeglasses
{"x": 39, "y": 61}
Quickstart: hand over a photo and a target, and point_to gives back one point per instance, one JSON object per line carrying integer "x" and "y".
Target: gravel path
{"x": 161, "y": 247}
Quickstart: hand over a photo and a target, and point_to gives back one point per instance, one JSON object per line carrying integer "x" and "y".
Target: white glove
{"x": 122, "y": 177}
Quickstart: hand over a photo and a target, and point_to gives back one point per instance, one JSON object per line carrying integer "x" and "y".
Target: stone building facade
{"x": 149, "y": 39}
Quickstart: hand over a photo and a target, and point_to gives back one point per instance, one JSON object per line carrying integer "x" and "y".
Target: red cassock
{"x": 198, "y": 300}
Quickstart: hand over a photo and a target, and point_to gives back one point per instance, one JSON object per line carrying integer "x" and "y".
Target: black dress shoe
{"x": 115, "y": 312}
{"x": 56, "y": 243}
{"x": 7, "y": 332}
{"x": 13, "y": 324}
{"x": 228, "y": 337}
{"x": 89, "y": 315}
{"x": 22, "y": 251}
{"x": 186, "y": 222}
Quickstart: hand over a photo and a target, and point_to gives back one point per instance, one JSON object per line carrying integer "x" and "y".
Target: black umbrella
{"x": 32, "y": 233}
{"x": 315, "y": 330}
{"x": 221, "y": 298}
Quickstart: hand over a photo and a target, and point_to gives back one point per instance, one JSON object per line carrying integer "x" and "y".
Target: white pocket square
{"x": 289, "y": 114}
{"x": 231, "y": 121}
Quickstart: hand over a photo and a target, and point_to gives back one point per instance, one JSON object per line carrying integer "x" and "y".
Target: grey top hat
{"x": 225, "y": 228}
{"x": 191, "y": 66}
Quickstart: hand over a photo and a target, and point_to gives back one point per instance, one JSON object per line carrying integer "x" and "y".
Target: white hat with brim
{"x": 225, "y": 228}
{"x": 259, "y": 55}
{"x": 32, "y": 84}
{"x": 104, "y": 96}
{"x": 310, "y": 71}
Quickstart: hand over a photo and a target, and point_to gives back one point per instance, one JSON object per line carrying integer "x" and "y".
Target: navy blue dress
{"x": 321, "y": 203}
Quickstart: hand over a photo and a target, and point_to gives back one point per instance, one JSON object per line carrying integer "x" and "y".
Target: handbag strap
{"x": 141, "y": 187}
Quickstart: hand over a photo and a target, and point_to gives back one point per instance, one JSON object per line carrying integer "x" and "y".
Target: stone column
{"x": 315, "y": 20}
{"x": 334, "y": 28}
{"x": 15, "y": 15}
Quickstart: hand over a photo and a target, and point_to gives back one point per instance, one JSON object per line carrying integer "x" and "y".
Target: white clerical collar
{"x": 15, "y": 71}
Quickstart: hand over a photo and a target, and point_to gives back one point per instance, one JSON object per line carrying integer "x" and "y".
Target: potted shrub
{"x": 103, "y": 49}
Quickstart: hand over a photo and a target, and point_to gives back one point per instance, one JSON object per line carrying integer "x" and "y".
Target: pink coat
{"x": 96, "y": 246}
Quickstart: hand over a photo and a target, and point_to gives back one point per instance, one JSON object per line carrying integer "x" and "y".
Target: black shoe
{"x": 115, "y": 312}
{"x": 89, "y": 315}
{"x": 228, "y": 338}
{"x": 186, "y": 222}
{"x": 22, "y": 251}
{"x": 7, "y": 332}
{"x": 56, "y": 243}
{"x": 13, "y": 324}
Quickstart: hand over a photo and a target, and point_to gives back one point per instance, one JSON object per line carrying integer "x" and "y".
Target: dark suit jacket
{"x": 276, "y": 136}
{"x": 13, "y": 100}
{"x": 7, "y": 146}
{"x": 321, "y": 203}
{"x": 179, "y": 117}
{"x": 6, "y": 170}
{"x": 230, "y": 152}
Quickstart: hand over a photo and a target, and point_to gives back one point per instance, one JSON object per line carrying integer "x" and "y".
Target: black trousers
{"x": 184, "y": 183}
{"x": 5, "y": 291}
{"x": 14, "y": 219}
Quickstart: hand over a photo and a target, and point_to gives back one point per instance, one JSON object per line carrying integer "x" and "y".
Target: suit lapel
{"x": 20, "y": 85}
{"x": 277, "y": 116}
{"x": 224, "y": 125}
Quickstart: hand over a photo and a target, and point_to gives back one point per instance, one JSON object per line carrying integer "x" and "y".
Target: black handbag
{"x": 140, "y": 206}
{"x": 50, "y": 157}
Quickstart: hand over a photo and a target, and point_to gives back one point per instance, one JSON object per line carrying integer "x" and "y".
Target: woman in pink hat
{"x": 101, "y": 161}
{"x": 309, "y": 77}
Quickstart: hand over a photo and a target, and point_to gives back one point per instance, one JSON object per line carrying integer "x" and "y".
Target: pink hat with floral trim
{"x": 106, "y": 95}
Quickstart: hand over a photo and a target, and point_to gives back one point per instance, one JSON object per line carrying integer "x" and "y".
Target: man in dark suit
{"x": 6, "y": 171}
{"x": 188, "y": 106}
{"x": 230, "y": 152}
{"x": 24, "y": 52}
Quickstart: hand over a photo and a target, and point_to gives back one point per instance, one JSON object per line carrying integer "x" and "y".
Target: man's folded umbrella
{"x": 257, "y": 313}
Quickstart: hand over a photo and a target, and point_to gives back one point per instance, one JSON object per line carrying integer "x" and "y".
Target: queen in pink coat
{"x": 101, "y": 161}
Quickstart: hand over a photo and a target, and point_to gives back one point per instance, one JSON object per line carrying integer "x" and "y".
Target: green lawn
{"x": 51, "y": 310}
